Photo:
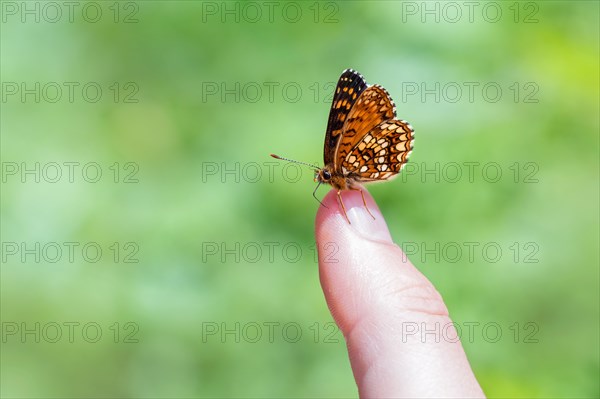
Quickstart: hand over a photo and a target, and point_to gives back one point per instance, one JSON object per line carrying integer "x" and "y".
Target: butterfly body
{"x": 339, "y": 181}
{"x": 364, "y": 142}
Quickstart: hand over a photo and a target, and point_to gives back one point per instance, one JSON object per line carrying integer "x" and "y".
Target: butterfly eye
{"x": 326, "y": 175}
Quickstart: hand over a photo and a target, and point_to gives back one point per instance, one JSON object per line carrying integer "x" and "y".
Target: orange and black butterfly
{"x": 364, "y": 141}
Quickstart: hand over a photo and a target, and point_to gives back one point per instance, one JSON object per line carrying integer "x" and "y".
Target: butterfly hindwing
{"x": 349, "y": 87}
{"x": 373, "y": 107}
{"x": 381, "y": 153}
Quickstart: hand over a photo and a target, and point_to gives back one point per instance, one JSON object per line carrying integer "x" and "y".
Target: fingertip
{"x": 366, "y": 221}
{"x": 350, "y": 252}
{"x": 374, "y": 292}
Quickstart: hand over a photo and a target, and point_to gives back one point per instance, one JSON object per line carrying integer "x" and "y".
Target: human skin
{"x": 378, "y": 298}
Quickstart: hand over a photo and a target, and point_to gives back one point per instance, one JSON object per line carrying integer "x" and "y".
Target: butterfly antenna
{"x": 315, "y": 195}
{"x": 291, "y": 160}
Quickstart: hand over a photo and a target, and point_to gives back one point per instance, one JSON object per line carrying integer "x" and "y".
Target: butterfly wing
{"x": 349, "y": 87}
{"x": 373, "y": 107}
{"x": 381, "y": 153}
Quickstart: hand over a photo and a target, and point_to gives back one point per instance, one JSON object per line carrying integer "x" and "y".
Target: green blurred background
{"x": 207, "y": 284}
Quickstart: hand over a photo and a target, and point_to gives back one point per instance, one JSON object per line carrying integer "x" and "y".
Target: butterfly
{"x": 364, "y": 142}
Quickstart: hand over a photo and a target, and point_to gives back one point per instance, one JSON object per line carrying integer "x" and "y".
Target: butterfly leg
{"x": 342, "y": 204}
{"x": 315, "y": 195}
{"x": 364, "y": 201}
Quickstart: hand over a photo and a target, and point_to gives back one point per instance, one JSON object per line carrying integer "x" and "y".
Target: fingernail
{"x": 363, "y": 223}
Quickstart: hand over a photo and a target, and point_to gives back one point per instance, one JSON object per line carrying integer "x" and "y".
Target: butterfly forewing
{"x": 373, "y": 107}
{"x": 349, "y": 87}
{"x": 381, "y": 153}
